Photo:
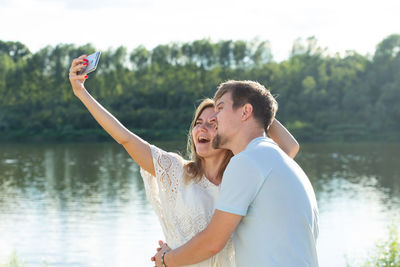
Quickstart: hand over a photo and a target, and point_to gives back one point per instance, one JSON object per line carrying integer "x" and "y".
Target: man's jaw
{"x": 218, "y": 142}
{"x": 215, "y": 142}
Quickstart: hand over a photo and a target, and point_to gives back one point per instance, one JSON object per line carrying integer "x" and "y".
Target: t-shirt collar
{"x": 258, "y": 140}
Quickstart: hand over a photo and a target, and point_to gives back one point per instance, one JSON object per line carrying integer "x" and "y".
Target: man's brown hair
{"x": 243, "y": 92}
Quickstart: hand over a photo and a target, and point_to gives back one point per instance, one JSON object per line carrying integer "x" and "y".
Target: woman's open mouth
{"x": 203, "y": 140}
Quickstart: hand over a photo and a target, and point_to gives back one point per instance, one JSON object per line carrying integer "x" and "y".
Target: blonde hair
{"x": 194, "y": 169}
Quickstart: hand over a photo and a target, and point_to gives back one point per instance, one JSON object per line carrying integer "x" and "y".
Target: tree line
{"x": 321, "y": 97}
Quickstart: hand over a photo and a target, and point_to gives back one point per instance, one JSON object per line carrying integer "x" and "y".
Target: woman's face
{"x": 203, "y": 133}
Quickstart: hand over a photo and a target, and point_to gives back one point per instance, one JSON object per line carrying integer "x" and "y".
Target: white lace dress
{"x": 183, "y": 209}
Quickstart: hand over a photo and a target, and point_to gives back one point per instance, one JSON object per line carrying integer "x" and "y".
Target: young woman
{"x": 183, "y": 193}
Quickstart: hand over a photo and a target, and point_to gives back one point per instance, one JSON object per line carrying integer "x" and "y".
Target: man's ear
{"x": 247, "y": 111}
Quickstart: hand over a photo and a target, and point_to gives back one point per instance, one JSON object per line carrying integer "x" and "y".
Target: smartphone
{"x": 93, "y": 60}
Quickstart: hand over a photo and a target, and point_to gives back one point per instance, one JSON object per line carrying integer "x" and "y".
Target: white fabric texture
{"x": 184, "y": 209}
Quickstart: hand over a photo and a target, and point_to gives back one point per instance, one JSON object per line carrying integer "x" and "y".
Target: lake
{"x": 84, "y": 204}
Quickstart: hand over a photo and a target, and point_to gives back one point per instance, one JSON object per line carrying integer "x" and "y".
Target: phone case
{"x": 93, "y": 60}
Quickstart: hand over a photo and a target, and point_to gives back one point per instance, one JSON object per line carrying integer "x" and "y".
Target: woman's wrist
{"x": 163, "y": 259}
{"x": 80, "y": 92}
{"x": 168, "y": 261}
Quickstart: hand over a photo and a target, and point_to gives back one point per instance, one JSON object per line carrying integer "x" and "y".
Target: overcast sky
{"x": 339, "y": 25}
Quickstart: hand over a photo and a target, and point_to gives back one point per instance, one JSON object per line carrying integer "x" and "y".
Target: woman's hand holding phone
{"x": 77, "y": 81}
{"x": 80, "y": 67}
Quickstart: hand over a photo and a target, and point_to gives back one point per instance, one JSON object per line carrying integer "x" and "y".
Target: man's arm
{"x": 241, "y": 183}
{"x": 206, "y": 243}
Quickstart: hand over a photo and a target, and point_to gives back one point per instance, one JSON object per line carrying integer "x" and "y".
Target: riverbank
{"x": 338, "y": 134}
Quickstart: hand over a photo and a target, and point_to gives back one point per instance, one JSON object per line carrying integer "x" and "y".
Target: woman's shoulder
{"x": 167, "y": 160}
{"x": 170, "y": 154}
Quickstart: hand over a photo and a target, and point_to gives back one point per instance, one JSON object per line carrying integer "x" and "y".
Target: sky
{"x": 338, "y": 25}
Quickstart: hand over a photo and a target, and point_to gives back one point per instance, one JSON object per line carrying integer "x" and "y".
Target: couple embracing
{"x": 241, "y": 200}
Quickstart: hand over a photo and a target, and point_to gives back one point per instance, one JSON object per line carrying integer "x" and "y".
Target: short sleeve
{"x": 240, "y": 184}
{"x": 168, "y": 177}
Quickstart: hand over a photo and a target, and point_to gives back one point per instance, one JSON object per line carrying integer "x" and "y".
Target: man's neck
{"x": 244, "y": 137}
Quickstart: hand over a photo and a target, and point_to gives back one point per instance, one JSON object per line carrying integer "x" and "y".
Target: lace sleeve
{"x": 163, "y": 187}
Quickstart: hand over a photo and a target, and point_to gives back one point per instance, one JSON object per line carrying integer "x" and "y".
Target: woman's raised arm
{"x": 137, "y": 148}
{"x": 283, "y": 138}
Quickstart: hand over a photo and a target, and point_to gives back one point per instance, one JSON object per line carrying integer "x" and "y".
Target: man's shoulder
{"x": 242, "y": 160}
{"x": 261, "y": 155}
{"x": 248, "y": 163}
{"x": 265, "y": 143}
{"x": 261, "y": 150}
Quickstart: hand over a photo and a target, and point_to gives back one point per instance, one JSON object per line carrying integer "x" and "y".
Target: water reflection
{"x": 341, "y": 168}
{"x": 59, "y": 172}
{"x": 85, "y": 205}
{"x": 357, "y": 188}
{"x": 74, "y": 205}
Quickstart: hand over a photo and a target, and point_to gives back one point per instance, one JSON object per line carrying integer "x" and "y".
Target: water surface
{"x": 84, "y": 204}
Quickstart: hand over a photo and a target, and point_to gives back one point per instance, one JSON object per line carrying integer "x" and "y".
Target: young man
{"x": 266, "y": 199}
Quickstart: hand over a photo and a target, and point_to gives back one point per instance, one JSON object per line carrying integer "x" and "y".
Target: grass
{"x": 387, "y": 252}
{"x": 13, "y": 261}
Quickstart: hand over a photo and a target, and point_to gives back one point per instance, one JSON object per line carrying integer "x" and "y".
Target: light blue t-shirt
{"x": 280, "y": 223}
